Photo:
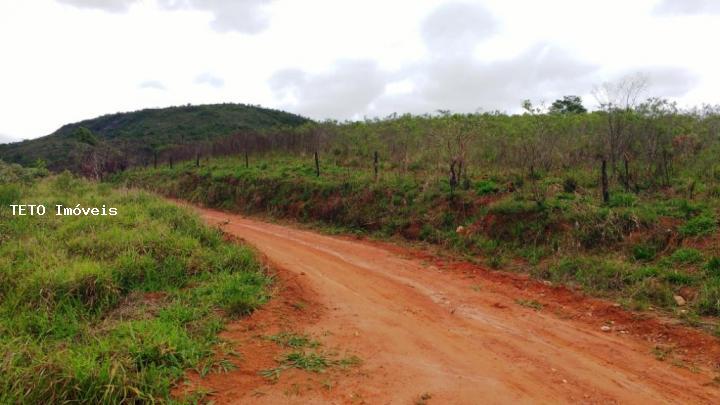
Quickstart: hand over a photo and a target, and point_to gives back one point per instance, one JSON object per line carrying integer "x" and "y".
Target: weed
{"x": 295, "y": 341}
{"x": 530, "y": 304}
{"x": 662, "y": 353}
{"x": 307, "y": 361}
{"x": 423, "y": 399}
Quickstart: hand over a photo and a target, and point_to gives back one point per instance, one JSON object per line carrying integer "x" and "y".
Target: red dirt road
{"x": 457, "y": 333}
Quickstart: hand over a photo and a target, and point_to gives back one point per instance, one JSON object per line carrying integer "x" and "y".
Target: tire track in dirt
{"x": 454, "y": 332}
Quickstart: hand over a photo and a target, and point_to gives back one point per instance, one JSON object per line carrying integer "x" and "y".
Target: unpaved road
{"x": 460, "y": 337}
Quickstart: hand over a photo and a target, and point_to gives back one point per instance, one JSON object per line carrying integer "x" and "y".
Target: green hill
{"x": 123, "y": 139}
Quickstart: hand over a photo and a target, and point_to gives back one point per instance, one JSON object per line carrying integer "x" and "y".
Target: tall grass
{"x": 112, "y": 309}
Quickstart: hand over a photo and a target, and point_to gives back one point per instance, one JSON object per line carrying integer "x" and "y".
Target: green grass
{"x": 698, "y": 226}
{"x": 305, "y": 354}
{"x": 686, "y": 256}
{"x": 77, "y": 323}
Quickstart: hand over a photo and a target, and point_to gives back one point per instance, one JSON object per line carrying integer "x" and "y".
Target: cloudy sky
{"x": 66, "y": 60}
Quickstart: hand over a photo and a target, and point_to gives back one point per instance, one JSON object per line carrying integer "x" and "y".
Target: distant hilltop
{"x": 132, "y": 137}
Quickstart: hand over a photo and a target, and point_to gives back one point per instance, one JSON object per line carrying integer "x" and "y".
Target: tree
{"x": 568, "y": 105}
{"x": 618, "y": 100}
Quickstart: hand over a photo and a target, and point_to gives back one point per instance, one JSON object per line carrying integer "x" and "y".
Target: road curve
{"x": 420, "y": 329}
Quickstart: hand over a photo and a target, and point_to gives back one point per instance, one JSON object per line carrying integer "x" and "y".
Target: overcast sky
{"x": 66, "y": 60}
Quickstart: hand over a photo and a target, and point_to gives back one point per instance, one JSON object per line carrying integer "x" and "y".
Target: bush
{"x": 514, "y": 207}
{"x": 698, "y": 226}
{"x": 602, "y": 227}
{"x": 570, "y": 185}
{"x": 686, "y": 256}
{"x": 709, "y": 298}
{"x": 713, "y": 266}
{"x": 622, "y": 200}
{"x": 592, "y": 273}
{"x": 485, "y": 187}
{"x": 9, "y": 194}
{"x": 651, "y": 290}
{"x": 678, "y": 278}
{"x": 644, "y": 252}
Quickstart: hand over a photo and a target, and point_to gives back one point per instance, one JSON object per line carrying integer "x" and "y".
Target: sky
{"x": 63, "y": 61}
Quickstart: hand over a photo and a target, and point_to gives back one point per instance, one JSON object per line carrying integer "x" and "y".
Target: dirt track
{"x": 459, "y": 333}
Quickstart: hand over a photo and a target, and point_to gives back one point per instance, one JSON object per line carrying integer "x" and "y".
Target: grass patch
{"x": 698, "y": 226}
{"x": 114, "y": 309}
{"x": 305, "y": 355}
{"x": 293, "y": 340}
{"x": 686, "y": 256}
{"x": 533, "y": 304}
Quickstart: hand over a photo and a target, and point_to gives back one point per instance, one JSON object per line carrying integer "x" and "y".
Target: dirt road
{"x": 460, "y": 334}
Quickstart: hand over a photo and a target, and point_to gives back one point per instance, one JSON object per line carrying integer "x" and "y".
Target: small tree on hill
{"x": 568, "y": 105}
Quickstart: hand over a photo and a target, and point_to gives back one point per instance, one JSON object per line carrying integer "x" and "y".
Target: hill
{"x": 116, "y": 141}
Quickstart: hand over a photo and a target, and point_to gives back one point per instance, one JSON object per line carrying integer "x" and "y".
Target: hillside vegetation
{"x": 113, "y": 142}
{"x": 111, "y": 309}
{"x": 621, "y": 202}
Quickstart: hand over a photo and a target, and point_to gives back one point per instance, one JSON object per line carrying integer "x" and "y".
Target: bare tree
{"x": 617, "y": 99}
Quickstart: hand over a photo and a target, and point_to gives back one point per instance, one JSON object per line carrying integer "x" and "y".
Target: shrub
{"x": 622, "y": 200}
{"x": 570, "y": 185}
{"x": 485, "y": 187}
{"x": 713, "y": 266}
{"x": 651, "y": 290}
{"x": 514, "y": 207}
{"x": 644, "y": 252}
{"x": 602, "y": 227}
{"x": 678, "y": 278}
{"x": 709, "y": 298}
{"x": 592, "y": 273}
{"x": 9, "y": 194}
{"x": 697, "y": 226}
{"x": 686, "y": 256}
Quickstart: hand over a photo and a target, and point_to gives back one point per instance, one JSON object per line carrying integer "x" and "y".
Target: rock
{"x": 605, "y": 328}
{"x": 460, "y": 229}
{"x": 679, "y": 300}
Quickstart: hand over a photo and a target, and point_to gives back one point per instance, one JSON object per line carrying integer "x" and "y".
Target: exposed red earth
{"x": 431, "y": 330}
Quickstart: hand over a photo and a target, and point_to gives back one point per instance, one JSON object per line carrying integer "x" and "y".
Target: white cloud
{"x": 112, "y": 6}
{"x": 342, "y": 92}
{"x": 67, "y": 60}
{"x": 153, "y": 85}
{"x": 456, "y": 28}
{"x": 210, "y": 80}
{"x": 675, "y": 7}
{"x": 246, "y": 16}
